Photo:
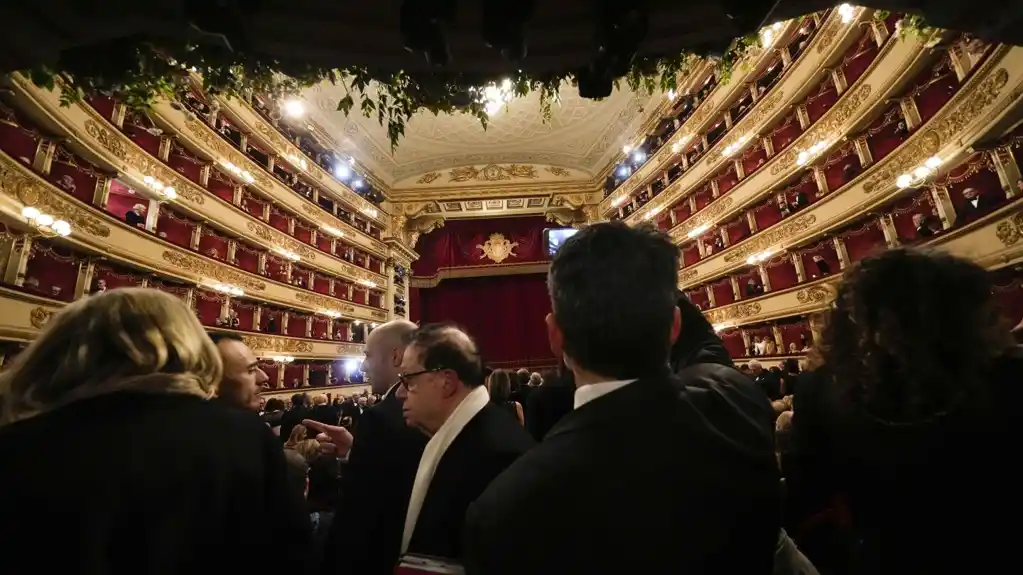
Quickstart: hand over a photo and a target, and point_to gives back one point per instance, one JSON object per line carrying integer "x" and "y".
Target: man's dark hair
{"x": 274, "y": 404}
{"x": 443, "y": 347}
{"x": 219, "y": 336}
{"x": 298, "y": 400}
{"x": 613, "y": 292}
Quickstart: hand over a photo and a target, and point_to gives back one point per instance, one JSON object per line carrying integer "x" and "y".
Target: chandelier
{"x": 495, "y": 96}
{"x": 166, "y": 193}
{"x": 920, "y": 174}
{"x": 47, "y": 224}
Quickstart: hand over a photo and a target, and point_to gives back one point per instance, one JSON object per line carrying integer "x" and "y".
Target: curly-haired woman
{"x": 911, "y": 421}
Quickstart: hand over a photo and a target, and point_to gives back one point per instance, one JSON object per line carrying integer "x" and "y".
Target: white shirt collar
{"x": 588, "y": 393}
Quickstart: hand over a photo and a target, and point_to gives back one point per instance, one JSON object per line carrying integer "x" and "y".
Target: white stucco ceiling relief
{"x": 581, "y": 137}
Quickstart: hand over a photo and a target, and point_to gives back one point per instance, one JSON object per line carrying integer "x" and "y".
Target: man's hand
{"x": 339, "y": 436}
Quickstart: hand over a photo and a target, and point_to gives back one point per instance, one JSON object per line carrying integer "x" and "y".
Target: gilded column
{"x": 816, "y": 328}
{"x": 243, "y": 142}
{"x": 863, "y": 152}
{"x": 944, "y": 206}
{"x": 190, "y": 298}
{"x": 43, "y": 160}
{"x": 291, "y": 226}
{"x": 204, "y": 176}
{"x": 309, "y": 326}
{"x": 196, "y": 235}
{"x": 765, "y": 280}
{"x": 768, "y": 144}
{"x": 879, "y": 31}
{"x": 331, "y": 284}
{"x": 779, "y": 341}
{"x": 280, "y": 376}
{"x": 751, "y": 220}
{"x": 803, "y": 116}
{"x": 16, "y": 251}
{"x": 261, "y": 263}
{"x": 724, "y": 236}
{"x": 101, "y": 194}
{"x": 673, "y": 217}
{"x": 351, "y": 292}
{"x": 330, "y": 372}
{"x": 715, "y": 189}
{"x": 736, "y": 290}
{"x": 153, "y": 216}
{"x": 887, "y": 226}
{"x": 165, "y": 148}
{"x": 389, "y": 297}
{"x": 843, "y": 255}
{"x": 257, "y": 316}
{"x": 728, "y": 119}
{"x": 910, "y": 113}
{"x": 1008, "y": 172}
{"x": 144, "y": 283}
{"x": 797, "y": 262}
{"x": 838, "y": 78}
{"x": 266, "y": 212}
{"x": 692, "y": 204}
{"x": 305, "y": 375}
{"x": 237, "y": 195}
{"x": 117, "y": 116}
{"x": 746, "y": 340}
{"x": 84, "y": 282}
{"x": 821, "y": 179}
{"x": 271, "y": 161}
{"x": 752, "y": 87}
{"x": 710, "y": 295}
{"x": 786, "y": 57}
{"x": 700, "y": 247}
{"x": 284, "y": 322}
{"x": 740, "y": 172}
{"x": 312, "y": 236}
{"x": 225, "y": 306}
{"x": 961, "y": 63}
{"x": 312, "y": 280}
{"x": 232, "y": 251}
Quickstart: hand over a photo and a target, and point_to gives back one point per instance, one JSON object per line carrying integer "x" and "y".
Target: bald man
{"x": 381, "y": 468}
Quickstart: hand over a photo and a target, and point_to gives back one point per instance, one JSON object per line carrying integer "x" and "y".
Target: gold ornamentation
{"x": 276, "y": 140}
{"x": 734, "y": 312}
{"x": 207, "y": 137}
{"x": 1010, "y": 230}
{"x": 128, "y": 152}
{"x": 280, "y": 240}
{"x": 828, "y": 34}
{"x": 40, "y": 316}
{"x": 213, "y": 271}
{"x": 704, "y": 216}
{"x": 428, "y": 178}
{"x": 816, "y": 294}
{"x": 351, "y": 349}
{"x": 324, "y": 302}
{"x": 687, "y": 274}
{"x": 493, "y": 173}
{"x": 377, "y": 314}
{"x": 828, "y": 127}
{"x": 316, "y": 214}
{"x": 760, "y": 111}
{"x": 498, "y": 248}
{"x": 770, "y": 238}
{"x": 558, "y": 172}
{"x": 967, "y": 106}
{"x": 26, "y": 187}
{"x": 277, "y": 344}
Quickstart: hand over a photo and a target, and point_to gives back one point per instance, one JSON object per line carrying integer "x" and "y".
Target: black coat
{"x": 139, "y": 483}
{"x": 546, "y": 406}
{"x": 365, "y": 537}
{"x": 485, "y": 447}
{"x": 653, "y": 477}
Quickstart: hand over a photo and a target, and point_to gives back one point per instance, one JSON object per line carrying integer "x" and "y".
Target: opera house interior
{"x": 298, "y": 211}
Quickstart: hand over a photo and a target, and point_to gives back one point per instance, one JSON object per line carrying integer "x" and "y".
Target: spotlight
{"x": 638, "y": 157}
{"x": 342, "y": 171}
{"x": 357, "y": 184}
{"x": 294, "y": 108}
{"x": 623, "y": 171}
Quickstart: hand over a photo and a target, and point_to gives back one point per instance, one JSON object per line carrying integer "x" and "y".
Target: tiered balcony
{"x": 248, "y": 233}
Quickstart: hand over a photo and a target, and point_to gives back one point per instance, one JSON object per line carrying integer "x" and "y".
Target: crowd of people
{"x": 133, "y": 441}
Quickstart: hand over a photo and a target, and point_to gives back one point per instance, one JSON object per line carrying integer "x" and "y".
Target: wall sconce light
{"x": 297, "y": 160}
{"x": 47, "y": 224}
{"x": 368, "y": 283}
{"x": 282, "y": 359}
{"x": 330, "y": 313}
{"x": 288, "y": 254}
{"x": 369, "y": 212}
{"x": 757, "y": 258}
{"x": 332, "y": 231}
{"x": 244, "y": 174}
{"x": 698, "y": 230}
{"x": 735, "y": 146}
{"x": 166, "y": 193}
{"x": 919, "y": 174}
{"x": 811, "y": 152}
{"x": 847, "y": 12}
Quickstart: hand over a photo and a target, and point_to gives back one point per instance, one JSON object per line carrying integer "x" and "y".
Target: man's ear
{"x": 676, "y": 325}
{"x": 555, "y": 336}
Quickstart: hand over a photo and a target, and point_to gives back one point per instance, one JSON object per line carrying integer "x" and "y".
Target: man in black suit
{"x": 649, "y": 473}
{"x": 472, "y": 440}
{"x": 365, "y": 536}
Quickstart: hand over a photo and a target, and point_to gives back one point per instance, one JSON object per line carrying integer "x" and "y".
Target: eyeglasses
{"x": 405, "y": 379}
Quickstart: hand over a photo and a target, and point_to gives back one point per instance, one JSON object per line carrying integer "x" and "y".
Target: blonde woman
{"x": 298, "y": 434}
{"x": 499, "y": 385}
{"x": 109, "y": 444}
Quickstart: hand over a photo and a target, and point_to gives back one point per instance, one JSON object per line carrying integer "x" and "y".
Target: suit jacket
{"x": 145, "y": 483}
{"x": 365, "y": 537}
{"x": 291, "y": 418}
{"x": 546, "y": 406}
{"x": 693, "y": 487}
{"x": 486, "y": 446}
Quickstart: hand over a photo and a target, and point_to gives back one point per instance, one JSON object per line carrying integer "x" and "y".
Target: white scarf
{"x": 435, "y": 449}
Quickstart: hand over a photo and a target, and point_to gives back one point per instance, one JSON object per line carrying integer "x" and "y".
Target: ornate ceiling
{"x": 518, "y": 147}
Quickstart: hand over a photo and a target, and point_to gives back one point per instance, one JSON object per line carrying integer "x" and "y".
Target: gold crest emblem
{"x": 498, "y": 248}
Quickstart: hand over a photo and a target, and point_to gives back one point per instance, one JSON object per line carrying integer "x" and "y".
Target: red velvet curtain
{"x": 271, "y": 314}
{"x": 246, "y": 257}
{"x": 723, "y": 293}
{"x": 296, "y": 324}
{"x": 323, "y": 241}
{"x": 270, "y": 369}
{"x": 321, "y": 326}
{"x": 102, "y": 104}
{"x": 52, "y": 271}
{"x": 186, "y": 163}
{"x": 936, "y": 88}
{"x": 733, "y": 342}
{"x": 785, "y": 133}
{"x": 115, "y": 277}
{"x": 321, "y": 284}
{"x": 781, "y": 272}
{"x": 207, "y": 305}
{"x": 293, "y": 375}
{"x": 253, "y": 204}
{"x": 865, "y": 240}
{"x": 690, "y": 255}
{"x": 317, "y": 375}
{"x": 738, "y": 229}
{"x": 821, "y": 100}
{"x": 976, "y": 174}
{"x": 504, "y": 313}
{"x": 221, "y": 186}
{"x": 275, "y": 268}
{"x": 727, "y": 179}
{"x": 279, "y": 219}
{"x": 458, "y": 244}
{"x": 753, "y": 158}
{"x": 18, "y": 138}
{"x": 178, "y": 229}
{"x": 703, "y": 198}
{"x": 73, "y": 175}
{"x": 681, "y": 210}
{"x": 883, "y": 135}
{"x": 855, "y": 63}
{"x": 767, "y": 213}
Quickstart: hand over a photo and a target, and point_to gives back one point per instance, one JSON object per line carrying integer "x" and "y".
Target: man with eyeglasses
{"x": 471, "y": 439}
